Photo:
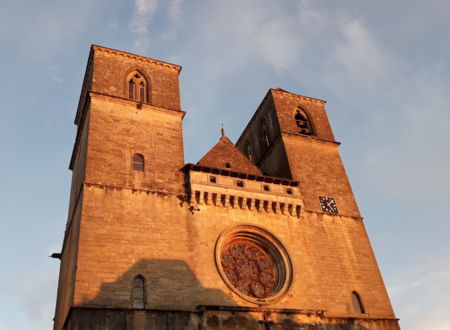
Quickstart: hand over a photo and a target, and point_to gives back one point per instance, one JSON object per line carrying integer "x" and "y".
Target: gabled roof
{"x": 225, "y": 152}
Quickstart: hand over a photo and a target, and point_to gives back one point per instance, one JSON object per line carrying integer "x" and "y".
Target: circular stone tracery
{"x": 249, "y": 268}
{"x": 253, "y": 263}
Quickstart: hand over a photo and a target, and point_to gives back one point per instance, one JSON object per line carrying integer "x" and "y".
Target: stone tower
{"x": 264, "y": 234}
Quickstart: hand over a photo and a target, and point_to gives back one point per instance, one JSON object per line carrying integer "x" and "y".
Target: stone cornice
{"x": 133, "y": 189}
{"x": 355, "y": 217}
{"x": 137, "y": 57}
{"x": 139, "y": 105}
{"x": 297, "y": 96}
{"x": 310, "y": 137}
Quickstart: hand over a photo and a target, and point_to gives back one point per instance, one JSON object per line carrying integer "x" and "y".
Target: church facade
{"x": 261, "y": 234}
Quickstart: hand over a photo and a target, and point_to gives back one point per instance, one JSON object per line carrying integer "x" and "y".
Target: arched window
{"x": 265, "y": 133}
{"x": 303, "y": 122}
{"x": 142, "y": 91}
{"x": 358, "y": 307}
{"x": 137, "y": 87}
{"x": 131, "y": 89}
{"x": 139, "y": 294}
{"x": 138, "y": 162}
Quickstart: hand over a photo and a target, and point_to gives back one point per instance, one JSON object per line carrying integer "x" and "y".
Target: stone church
{"x": 261, "y": 234}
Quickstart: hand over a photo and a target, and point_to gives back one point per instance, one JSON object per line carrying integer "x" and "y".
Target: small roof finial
{"x": 222, "y": 130}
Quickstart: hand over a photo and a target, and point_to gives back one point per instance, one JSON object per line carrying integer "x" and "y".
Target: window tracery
{"x": 137, "y": 87}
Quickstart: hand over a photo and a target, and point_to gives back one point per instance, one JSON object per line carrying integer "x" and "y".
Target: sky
{"x": 382, "y": 66}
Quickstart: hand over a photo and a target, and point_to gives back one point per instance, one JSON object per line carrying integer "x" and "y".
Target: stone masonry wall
{"x": 125, "y": 233}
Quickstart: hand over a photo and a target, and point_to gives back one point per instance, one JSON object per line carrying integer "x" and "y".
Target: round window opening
{"x": 253, "y": 263}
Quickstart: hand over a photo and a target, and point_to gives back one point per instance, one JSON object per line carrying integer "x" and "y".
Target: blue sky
{"x": 382, "y": 66}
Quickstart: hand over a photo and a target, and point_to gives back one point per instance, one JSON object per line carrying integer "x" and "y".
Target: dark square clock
{"x": 328, "y": 204}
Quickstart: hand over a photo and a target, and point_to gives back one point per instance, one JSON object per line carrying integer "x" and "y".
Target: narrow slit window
{"x": 265, "y": 134}
{"x": 357, "y": 303}
{"x": 142, "y": 91}
{"x": 131, "y": 89}
{"x": 249, "y": 152}
{"x": 138, "y": 162}
{"x": 138, "y": 293}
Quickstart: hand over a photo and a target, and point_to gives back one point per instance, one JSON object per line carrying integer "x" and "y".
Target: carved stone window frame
{"x": 138, "y": 86}
{"x": 308, "y": 129}
{"x": 268, "y": 242}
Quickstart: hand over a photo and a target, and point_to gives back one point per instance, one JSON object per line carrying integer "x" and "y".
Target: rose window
{"x": 253, "y": 263}
{"x": 249, "y": 268}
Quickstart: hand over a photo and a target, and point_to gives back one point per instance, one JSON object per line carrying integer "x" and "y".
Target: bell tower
{"x": 128, "y": 145}
{"x": 291, "y": 137}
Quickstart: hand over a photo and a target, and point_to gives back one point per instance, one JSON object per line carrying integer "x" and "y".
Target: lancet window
{"x": 358, "y": 307}
{"x": 303, "y": 122}
{"x": 138, "y": 87}
{"x": 139, "y": 294}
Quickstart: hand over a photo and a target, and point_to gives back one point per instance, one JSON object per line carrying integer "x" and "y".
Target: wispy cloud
{"x": 358, "y": 53}
{"x": 175, "y": 11}
{"x": 421, "y": 295}
{"x": 140, "y": 23}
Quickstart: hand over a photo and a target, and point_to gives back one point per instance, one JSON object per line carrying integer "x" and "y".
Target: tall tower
{"x": 262, "y": 235}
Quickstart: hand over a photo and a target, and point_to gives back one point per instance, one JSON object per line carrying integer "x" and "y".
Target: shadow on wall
{"x": 157, "y": 294}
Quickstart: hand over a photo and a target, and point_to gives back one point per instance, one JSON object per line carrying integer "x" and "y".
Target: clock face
{"x": 328, "y": 204}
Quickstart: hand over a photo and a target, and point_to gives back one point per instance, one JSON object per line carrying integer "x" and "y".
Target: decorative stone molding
{"x": 297, "y": 96}
{"x": 253, "y": 263}
{"x": 234, "y": 192}
{"x": 137, "y": 57}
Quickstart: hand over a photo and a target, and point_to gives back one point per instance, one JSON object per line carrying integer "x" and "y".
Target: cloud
{"x": 36, "y": 294}
{"x": 358, "y": 54}
{"x": 175, "y": 11}
{"x": 142, "y": 16}
{"x": 420, "y": 295}
{"x": 411, "y": 126}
